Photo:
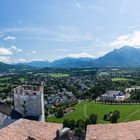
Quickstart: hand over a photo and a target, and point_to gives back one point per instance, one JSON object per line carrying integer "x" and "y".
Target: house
{"x": 68, "y": 110}
{"x": 112, "y": 96}
{"x": 119, "y": 131}
{"x": 129, "y": 90}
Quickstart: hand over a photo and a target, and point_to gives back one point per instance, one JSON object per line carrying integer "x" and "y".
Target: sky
{"x": 53, "y": 29}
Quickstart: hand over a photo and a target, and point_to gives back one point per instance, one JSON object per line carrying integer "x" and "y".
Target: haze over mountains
{"x": 124, "y": 57}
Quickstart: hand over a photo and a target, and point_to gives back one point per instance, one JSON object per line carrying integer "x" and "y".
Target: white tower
{"x": 29, "y": 101}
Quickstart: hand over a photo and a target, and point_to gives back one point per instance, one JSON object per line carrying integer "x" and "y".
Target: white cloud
{"x": 16, "y": 48}
{"x": 19, "y": 50}
{"x": 62, "y": 50}
{"x": 5, "y": 51}
{"x": 9, "y": 38}
{"x": 82, "y": 54}
{"x": 34, "y": 52}
{"x": 13, "y": 47}
{"x": 5, "y": 59}
{"x": 128, "y": 39}
{"x": 77, "y": 4}
{"x": 21, "y": 60}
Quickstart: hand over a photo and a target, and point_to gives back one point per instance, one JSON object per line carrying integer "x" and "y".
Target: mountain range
{"x": 126, "y": 56}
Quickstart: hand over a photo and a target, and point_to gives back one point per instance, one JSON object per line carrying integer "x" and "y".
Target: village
{"x": 57, "y": 101}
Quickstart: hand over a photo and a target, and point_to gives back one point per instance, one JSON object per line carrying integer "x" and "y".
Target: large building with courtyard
{"x": 113, "y": 96}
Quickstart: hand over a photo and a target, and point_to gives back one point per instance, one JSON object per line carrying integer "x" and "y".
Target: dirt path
{"x": 85, "y": 113}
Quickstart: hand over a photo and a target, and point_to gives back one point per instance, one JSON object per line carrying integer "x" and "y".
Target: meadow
{"x": 58, "y": 75}
{"x": 86, "y": 108}
{"x": 119, "y": 79}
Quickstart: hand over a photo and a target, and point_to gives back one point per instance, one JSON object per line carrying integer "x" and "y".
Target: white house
{"x": 113, "y": 96}
{"x": 129, "y": 90}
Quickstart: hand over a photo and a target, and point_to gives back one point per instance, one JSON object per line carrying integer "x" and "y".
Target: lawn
{"x": 22, "y": 79}
{"x": 119, "y": 79}
{"x": 85, "y": 108}
{"x": 58, "y": 75}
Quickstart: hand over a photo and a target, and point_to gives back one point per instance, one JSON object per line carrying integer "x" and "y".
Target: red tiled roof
{"x": 24, "y": 129}
{"x": 119, "y": 131}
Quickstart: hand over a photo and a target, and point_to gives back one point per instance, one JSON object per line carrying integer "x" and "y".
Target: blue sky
{"x": 53, "y": 29}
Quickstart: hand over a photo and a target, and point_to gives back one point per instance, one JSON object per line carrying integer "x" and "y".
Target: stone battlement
{"x": 28, "y": 90}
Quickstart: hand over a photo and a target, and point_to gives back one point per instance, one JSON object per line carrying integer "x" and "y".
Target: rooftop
{"x": 9, "y": 111}
{"x": 119, "y": 131}
{"x": 113, "y": 93}
{"x": 26, "y": 129}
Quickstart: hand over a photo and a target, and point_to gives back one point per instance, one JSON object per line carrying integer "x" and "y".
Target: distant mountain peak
{"x": 123, "y": 57}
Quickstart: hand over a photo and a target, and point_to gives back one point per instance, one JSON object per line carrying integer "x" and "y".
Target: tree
{"x": 93, "y": 118}
{"x": 105, "y": 117}
{"x": 81, "y": 124}
{"x": 97, "y": 90}
{"x": 87, "y": 121}
{"x": 69, "y": 123}
{"x": 135, "y": 95}
{"x": 115, "y": 116}
{"x": 66, "y": 123}
{"x": 72, "y": 124}
{"x": 59, "y": 113}
{"x": 78, "y": 132}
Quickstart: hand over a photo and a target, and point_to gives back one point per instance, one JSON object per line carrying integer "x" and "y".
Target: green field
{"x": 58, "y": 75}
{"x": 4, "y": 78}
{"x": 119, "y": 79}
{"x": 84, "y": 109}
